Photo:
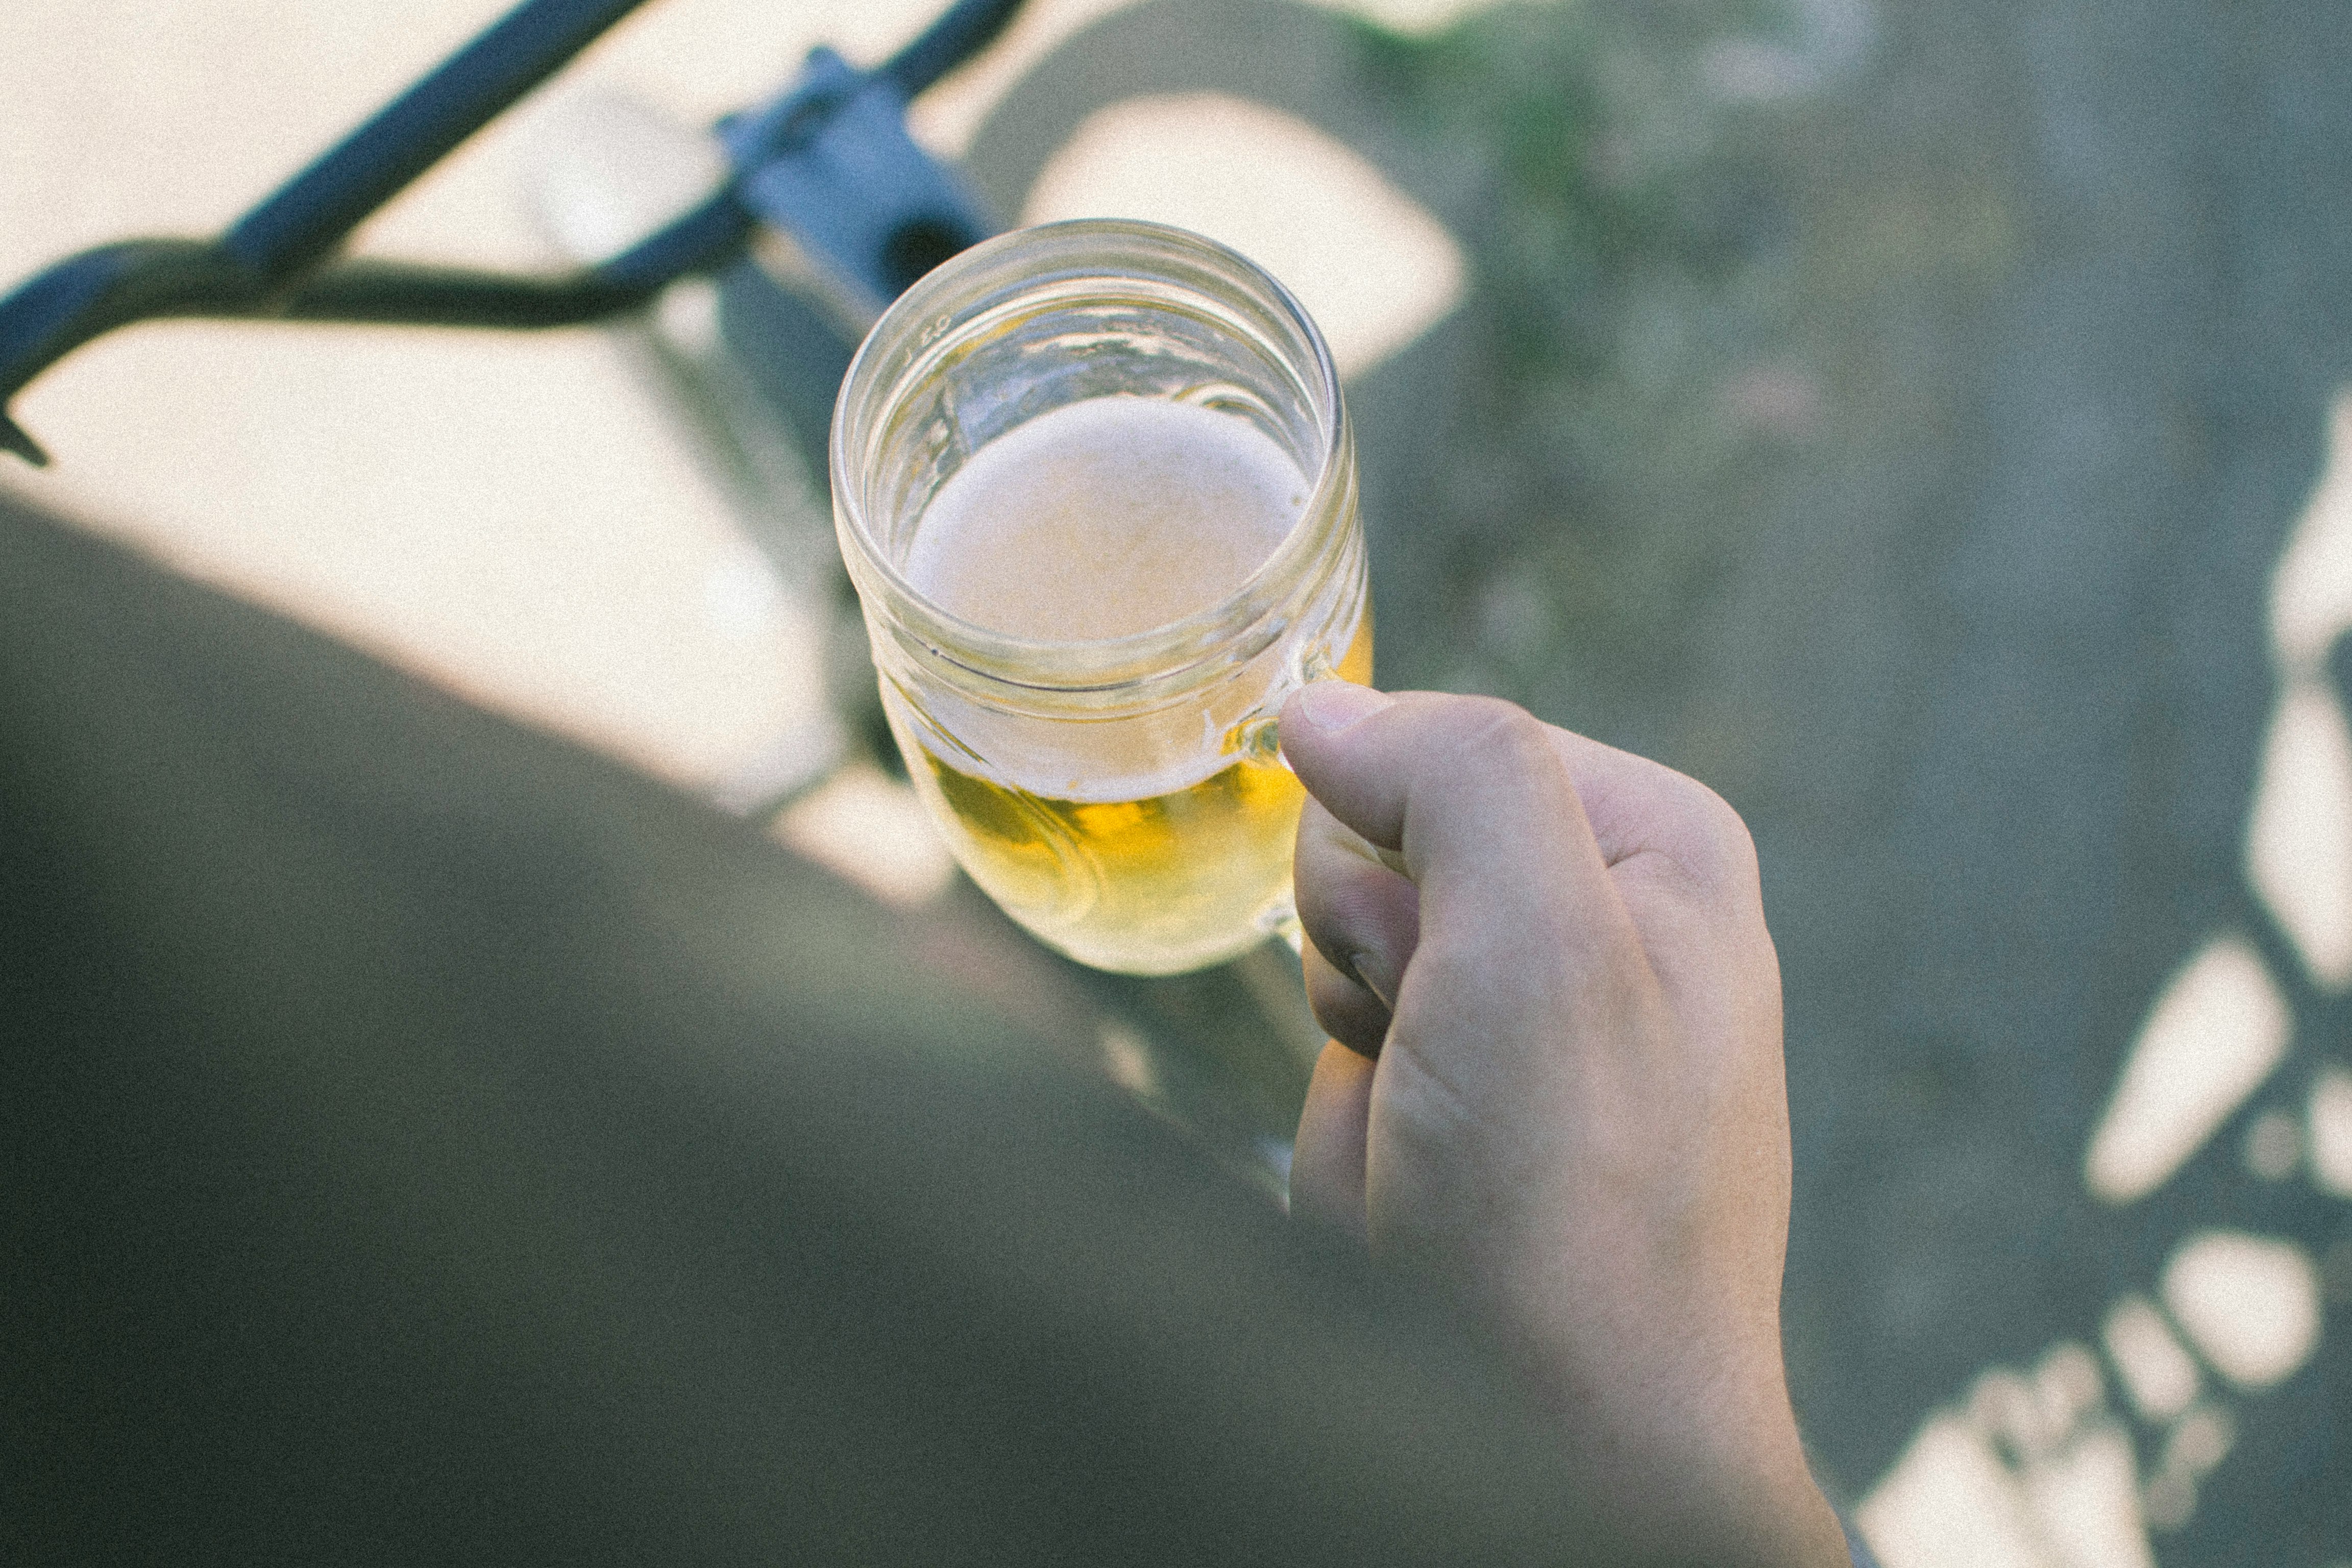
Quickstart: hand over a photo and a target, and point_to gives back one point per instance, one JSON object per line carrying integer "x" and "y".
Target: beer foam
{"x": 1103, "y": 519}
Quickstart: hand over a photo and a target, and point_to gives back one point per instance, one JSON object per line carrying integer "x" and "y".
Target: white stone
{"x": 2249, "y": 1303}
{"x": 2158, "y": 1374}
{"x": 1371, "y": 265}
{"x": 2299, "y": 833}
{"x": 2085, "y": 1501}
{"x": 2311, "y": 588}
{"x": 2329, "y": 1132}
{"x": 870, "y": 828}
{"x": 2215, "y": 1033}
{"x": 1950, "y": 1502}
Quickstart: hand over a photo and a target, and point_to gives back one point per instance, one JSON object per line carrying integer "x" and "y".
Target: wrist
{"x": 1710, "y": 1469}
{"x": 1814, "y": 1535}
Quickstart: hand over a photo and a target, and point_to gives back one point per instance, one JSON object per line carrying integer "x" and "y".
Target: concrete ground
{"x": 1912, "y": 419}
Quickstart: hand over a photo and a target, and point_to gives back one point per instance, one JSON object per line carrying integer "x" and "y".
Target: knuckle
{"x": 1497, "y": 733}
{"x": 1714, "y": 840}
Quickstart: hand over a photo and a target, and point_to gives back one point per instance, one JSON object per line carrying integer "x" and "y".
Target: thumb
{"x": 1470, "y": 795}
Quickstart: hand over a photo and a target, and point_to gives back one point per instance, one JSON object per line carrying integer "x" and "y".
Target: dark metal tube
{"x": 310, "y": 214}
{"x": 964, "y": 29}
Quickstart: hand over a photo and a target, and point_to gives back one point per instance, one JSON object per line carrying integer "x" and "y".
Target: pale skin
{"x": 1555, "y": 1080}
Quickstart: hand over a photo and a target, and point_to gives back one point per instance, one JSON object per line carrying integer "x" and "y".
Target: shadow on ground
{"x": 1901, "y": 442}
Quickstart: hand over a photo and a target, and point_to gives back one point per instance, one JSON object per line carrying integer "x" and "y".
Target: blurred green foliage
{"x": 1629, "y": 266}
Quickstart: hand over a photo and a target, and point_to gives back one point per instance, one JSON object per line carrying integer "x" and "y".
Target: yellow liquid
{"x": 1099, "y": 519}
{"x": 1155, "y": 886}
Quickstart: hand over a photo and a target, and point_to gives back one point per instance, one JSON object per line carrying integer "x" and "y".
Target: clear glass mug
{"x": 1122, "y": 798}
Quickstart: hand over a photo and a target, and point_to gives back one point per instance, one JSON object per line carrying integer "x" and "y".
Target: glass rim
{"x": 899, "y": 347}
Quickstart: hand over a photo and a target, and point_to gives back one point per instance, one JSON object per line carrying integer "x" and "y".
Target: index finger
{"x": 1471, "y": 792}
{"x": 1631, "y": 807}
{"x": 1637, "y": 807}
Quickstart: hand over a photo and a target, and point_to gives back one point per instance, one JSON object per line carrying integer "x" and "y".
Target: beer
{"x": 1103, "y": 519}
{"x": 1096, "y": 486}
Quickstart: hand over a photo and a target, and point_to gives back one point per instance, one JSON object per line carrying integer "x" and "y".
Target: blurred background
{"x": 1926, "y": 424}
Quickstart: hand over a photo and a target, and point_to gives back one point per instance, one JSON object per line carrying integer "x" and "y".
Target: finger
{"x": 1639, "y": 807}
{"x": 1632, "y": 807}
{"x": 1683, "y": 868}
{"x": 1326, "y": 1168}
{"x": 1472, "y": 791}
{"x": 1361, "y": 917}
{"x": 1348, "y": 1010}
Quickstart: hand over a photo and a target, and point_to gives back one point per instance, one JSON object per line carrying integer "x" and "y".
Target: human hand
{"x": 1556, "y": 1080}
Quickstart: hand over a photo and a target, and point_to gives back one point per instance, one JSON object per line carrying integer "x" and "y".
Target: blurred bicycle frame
{"x": 824, "y": 167}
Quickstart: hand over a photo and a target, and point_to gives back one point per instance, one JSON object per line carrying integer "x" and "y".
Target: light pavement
{"x": 1914, "y": 420}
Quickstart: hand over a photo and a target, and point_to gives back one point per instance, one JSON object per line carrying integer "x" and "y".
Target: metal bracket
{"x": 831, "y": 164}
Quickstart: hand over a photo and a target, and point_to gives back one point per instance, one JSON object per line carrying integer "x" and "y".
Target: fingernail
{"x": 1332, "y": 705}
{"x": 1373, "y": 973}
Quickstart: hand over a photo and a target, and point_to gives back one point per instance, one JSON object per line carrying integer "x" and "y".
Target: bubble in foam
{"x": 1103, "y": 519}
